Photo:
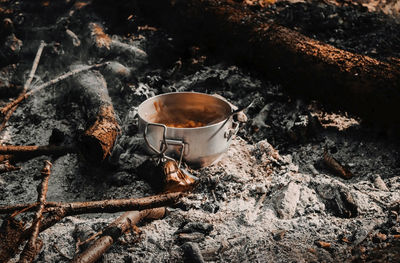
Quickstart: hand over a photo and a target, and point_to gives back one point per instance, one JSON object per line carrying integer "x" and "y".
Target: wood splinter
{"x": 33, "y": 246}
{"x": 336, "y": 167}
{"x": 115, "y": 230}
{"x": 5, "y": 166}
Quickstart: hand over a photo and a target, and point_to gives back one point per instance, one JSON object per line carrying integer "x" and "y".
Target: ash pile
{"x": 298, "y": 183}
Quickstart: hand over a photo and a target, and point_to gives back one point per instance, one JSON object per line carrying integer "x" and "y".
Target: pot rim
{"x": 224, "y": 121}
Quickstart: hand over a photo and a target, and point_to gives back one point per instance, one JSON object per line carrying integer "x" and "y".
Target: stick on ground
{"x": 71, "y": 73}
{"x": 113, "y": 231}
{"x": 7, "y": 113}
{"x": 22, "y": 152}
{"x": 102, "y": 206}
{"x": 62, "y": 210}
{"x": 33, "y": 246}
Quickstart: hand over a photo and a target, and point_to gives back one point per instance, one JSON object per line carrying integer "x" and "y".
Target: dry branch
{"x": 117, "y": 205}
{"x": 103, "y": 206}
{"x": 98, "y": 140}
{"x": 18, "y": 153}
{"x": 33, "y": 246}
{"x": 58, "y": 211}
{"x": 23, "y": 96}
{"x": 34, "y": 66}
{"x": 7, "y": 114}
{"x": 113, "y": 231}
{"x": 306, "y": 66}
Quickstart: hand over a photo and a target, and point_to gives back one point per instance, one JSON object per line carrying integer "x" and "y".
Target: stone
{"x": 286, "y": 201}
{"x": 379, "y": 183}
{"x": 192, "y": 253}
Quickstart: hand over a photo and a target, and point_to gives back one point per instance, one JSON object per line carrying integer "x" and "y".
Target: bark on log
{"x": 113, "y": 231}
{"x": 98, "y": 140}
{"x": 357, "y": 83}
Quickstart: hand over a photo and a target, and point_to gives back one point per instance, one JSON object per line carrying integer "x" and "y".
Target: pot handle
{"x": 163, "y": 146}
{"x": 232, "y": 131}
{"x": 164, "y": 143}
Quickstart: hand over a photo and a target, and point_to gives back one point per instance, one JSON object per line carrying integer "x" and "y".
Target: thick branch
{"x": 307, "y": 67}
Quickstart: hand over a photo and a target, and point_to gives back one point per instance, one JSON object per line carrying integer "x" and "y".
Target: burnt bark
{"x": 103, "y": 128}
{"x": 306, "y": 67}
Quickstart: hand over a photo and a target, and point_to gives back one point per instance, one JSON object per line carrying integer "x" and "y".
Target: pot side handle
{"x": 232, "y": 131}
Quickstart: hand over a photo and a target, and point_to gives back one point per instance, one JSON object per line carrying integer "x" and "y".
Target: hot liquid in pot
{"x": 185, "y": 116}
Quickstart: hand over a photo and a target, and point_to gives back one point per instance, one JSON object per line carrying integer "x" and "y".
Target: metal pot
{"x": 193, "y": 127}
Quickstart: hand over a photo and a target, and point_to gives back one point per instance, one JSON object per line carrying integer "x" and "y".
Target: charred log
{"x": 306, "y": 67}
{"x": 98, "y": 140}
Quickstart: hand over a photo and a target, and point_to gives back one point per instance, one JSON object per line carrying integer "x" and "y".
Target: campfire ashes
{"x": 277, "y": 195}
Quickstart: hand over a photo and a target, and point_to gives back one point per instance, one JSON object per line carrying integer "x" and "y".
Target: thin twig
{"x": 71, "y": 73}
{"x": 34, "y": 66}
{"x": 32, "y": 248}
{"x": 117, "y": 205}
{"x": 8, "y": 112}
{"x": 24, "y": 209}
{"x": 8, "y": 116}
{"x": 92, "y": 237}
{"x": 30, "y": 149}
{"x": 23, "y": 152}
{"x": 10, "y": 209}
{"x": 103, "y": 206}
